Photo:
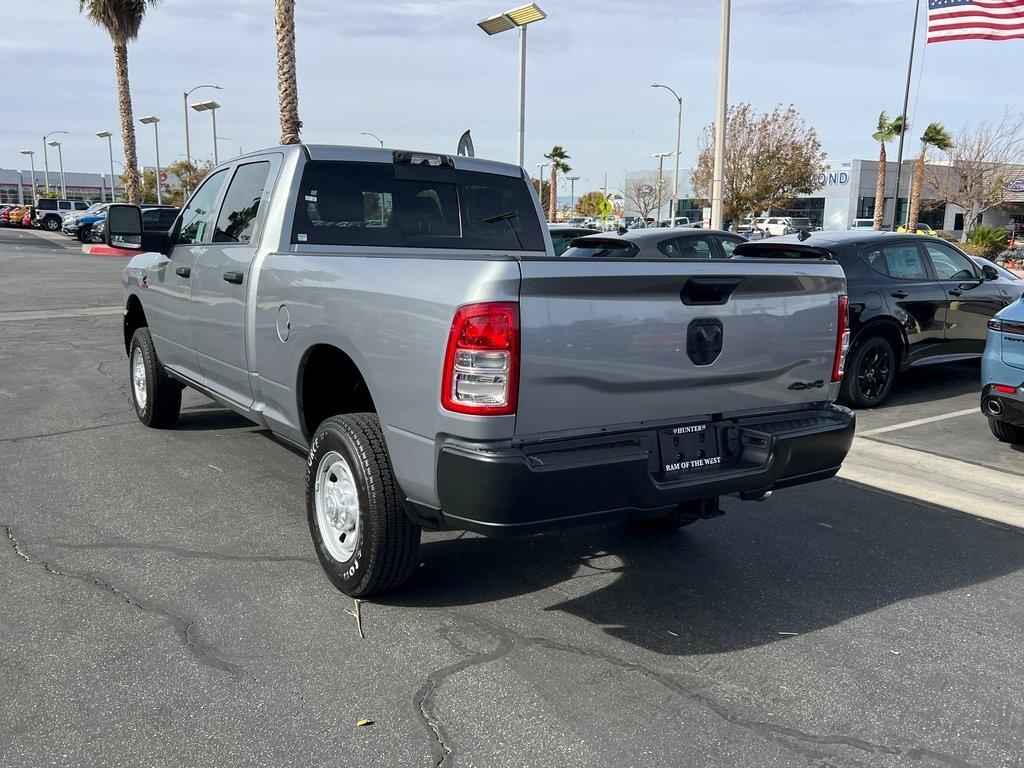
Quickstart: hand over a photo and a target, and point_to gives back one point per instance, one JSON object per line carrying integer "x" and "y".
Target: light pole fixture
{"x": 32, "y": 164}
{"x": 679, "y": 138}
{"x": 572, "y": 194}
{"x": 60, "y": 158}
{"x": 184, "y": 101}
{"x": 153, "y": 120}
{"x": 110, "y": 151}
{"x": 374, "y": 135}
{"x": 46, "y": 161}
{"x": 211, "y": 107}
{"x": 718, "y": 173}
{"x": 520, "y": 17}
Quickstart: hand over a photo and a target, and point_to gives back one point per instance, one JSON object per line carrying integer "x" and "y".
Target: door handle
{"x": 899, "y": 294}
{"x": 183, "y": 271}
{"x": 954, "y": 292}
{"x": 234, "y": 277}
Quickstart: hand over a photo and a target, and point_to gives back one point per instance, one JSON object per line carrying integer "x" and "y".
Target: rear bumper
{"x": 591, "y": 479}
{"x": 1008, "y": 409}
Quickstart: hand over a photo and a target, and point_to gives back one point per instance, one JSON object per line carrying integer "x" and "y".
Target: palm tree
{"x": 886, "y": 132}
{"x": 122, "y": 19}
{"x": 287, "y": 89}
{"x": 935, "y": 135}
{"x": 557, "y": 156}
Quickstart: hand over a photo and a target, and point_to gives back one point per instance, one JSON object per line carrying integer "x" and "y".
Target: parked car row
{"x": 15, "y": 215}
{"x": 913, "y": 300}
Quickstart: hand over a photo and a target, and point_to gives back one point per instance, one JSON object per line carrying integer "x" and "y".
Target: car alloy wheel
{"x": 874, "y": 373}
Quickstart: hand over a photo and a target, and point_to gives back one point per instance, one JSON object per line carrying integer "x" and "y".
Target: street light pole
{"x": 184, "y": 100}
{"x": 679, "y": 139}
{"x": 110, "y": 151}
{"x": 46, "y": 160}
{"x": 211, "y": 107}
{"x": 32, "y": 164}
{"x": 153, "y": 120}
{"x": 520, "y": 17}
{"x": 717, "y": 214}
{"x": 374, "y": 135}
{"x": 60, "y": 159}
{"x": 661, "y": 183}
{"x": 572, "y": 194}
{"x": 540, "y": 183}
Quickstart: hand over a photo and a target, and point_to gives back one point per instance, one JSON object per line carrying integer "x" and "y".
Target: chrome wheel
{"x": 139, "y": 378}
{"x": 337, "y": 506}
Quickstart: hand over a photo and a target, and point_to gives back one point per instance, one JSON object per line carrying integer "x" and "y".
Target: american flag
{"x": 975, "y": 20}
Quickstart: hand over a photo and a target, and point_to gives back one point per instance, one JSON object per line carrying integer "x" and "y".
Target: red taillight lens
{"x": 1004, "y": 389}
{"x": 481, "y": 363}
{"x": 842, "y": 339}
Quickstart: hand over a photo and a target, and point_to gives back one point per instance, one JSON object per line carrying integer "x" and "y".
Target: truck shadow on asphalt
{"x": 761, "y": 573}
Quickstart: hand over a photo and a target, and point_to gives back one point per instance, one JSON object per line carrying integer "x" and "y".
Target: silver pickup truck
{"x": 402, "y": 318}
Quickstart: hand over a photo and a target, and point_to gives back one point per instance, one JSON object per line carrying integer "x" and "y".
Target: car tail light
{"x": 842, "y": 339}
{"x": 481, "y": 363}
{"x": 1004, "y": 389}
{"x": 1004, "y": 326}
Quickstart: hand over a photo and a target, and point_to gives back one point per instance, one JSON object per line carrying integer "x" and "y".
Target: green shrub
{"x": 988, "y": 241}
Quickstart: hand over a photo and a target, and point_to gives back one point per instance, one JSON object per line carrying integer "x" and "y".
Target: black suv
{"x": 50, "y": 213}
{"x": 914, "y": 300}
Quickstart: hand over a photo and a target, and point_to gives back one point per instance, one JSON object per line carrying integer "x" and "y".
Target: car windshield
{"x": 96, "y": 208}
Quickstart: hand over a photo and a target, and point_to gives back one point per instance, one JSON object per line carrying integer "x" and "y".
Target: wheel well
{"x": 134, "y": 318}
{"x": 888, "y": 331}
{"x": 330, "y": 383}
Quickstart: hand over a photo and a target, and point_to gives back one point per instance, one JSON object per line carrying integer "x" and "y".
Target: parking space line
{"x": 917, "y": 422}
{"x": 945, "y": 482}
{"x": 55, "y": 314}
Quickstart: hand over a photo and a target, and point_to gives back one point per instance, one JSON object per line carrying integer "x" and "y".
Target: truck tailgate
{"x": 605, "y": 344}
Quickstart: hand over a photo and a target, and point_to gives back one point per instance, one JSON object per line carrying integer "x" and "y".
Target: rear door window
{"x": 381, "y": 204}
{"x": 241, "y": 206}
{"x": 904, "y": 261}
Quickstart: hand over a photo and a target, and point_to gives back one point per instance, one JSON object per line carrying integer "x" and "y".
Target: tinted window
{"x": 903, "y": 262}
{"x": 198, "y": 214}
{"x": 949, "y": 263}
{"x": 590, "y": 249}
{"x": 729, "y": 244}
{"x": 241, "y": 204}
{"x": 561, "y": 239}
{"x": 687, "y": 248}
{"x": 381, "y": 204}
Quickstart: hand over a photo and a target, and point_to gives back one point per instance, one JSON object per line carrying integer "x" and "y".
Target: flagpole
{"x": 906, "y": 102}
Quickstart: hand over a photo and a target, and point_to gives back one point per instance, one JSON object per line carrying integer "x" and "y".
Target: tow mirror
{"x": 124, "y": 226}
{"x": 989, "y": 272}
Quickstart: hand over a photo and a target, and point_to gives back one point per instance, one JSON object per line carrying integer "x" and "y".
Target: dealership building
{"x": 847, "y": 192}
{"x": 16, "y": 186}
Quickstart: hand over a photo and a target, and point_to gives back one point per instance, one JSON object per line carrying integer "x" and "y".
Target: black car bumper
{"x": 1003, "y": 407}
{"x": 532, "y": 487}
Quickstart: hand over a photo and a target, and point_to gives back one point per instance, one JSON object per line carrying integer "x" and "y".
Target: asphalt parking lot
{"x": 163, "y": 607}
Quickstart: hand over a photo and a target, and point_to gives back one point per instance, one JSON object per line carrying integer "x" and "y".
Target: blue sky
{"x": 419, "y": 73}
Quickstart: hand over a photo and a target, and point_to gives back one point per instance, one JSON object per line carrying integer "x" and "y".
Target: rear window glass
{"x": 380, "y": 204}
{"x": 597, "y": 249}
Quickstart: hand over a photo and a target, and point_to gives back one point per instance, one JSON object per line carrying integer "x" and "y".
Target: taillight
{"x": 842, "y": 339}
{"x": 481, "y": 363}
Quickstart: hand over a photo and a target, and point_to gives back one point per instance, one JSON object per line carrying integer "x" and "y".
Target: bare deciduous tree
{"x": 645, "y": 194}
{"x": 769, "y": 159}
{"x": 977, "y": 172}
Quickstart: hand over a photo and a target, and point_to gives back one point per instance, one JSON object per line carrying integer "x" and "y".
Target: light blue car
{"x": 1002, "y": 374}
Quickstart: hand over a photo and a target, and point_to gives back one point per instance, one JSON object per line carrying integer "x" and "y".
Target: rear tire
{"x": 363, "y": 538}
{"x": 155, "y": 395}
{"x": 870, "y": 373}
{"x": 51, "y": 224}
{"x": 1006, "y": 433}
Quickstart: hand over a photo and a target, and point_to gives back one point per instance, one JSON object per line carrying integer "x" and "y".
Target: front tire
{"x": 870, "y": 373}
{"x": 84, "y": 233}
{"x": 1006, "y": 433}
{"x": 363, "y": 538}
{"x": 156, "y": 397}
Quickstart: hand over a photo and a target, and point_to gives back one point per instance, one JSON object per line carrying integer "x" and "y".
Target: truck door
{"x": 169, "y": 282}
{"x": 220, "y": 281}
{"x": 970, "y": 300}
